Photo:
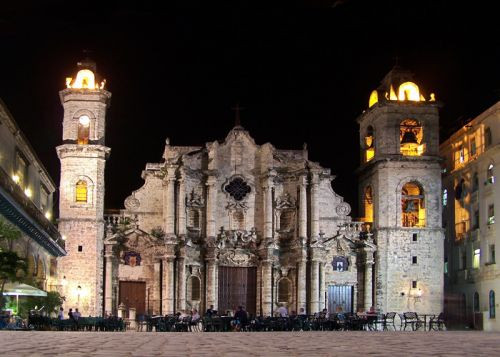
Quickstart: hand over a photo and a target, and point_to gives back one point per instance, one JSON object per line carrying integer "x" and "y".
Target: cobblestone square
{"x": 466, "y": 343}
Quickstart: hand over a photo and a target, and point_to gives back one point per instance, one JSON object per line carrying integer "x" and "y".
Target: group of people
{"x": 72, "y": 315}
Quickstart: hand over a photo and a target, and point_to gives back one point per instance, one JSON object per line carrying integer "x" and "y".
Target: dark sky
{"x": 303, "y": 70}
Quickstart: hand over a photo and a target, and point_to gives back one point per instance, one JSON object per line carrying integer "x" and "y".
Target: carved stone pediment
{"x": 236, "y": 239}
{"x": 237, "y": 257}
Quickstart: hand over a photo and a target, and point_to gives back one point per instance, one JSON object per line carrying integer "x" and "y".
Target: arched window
{"x": 283, "y": 290}
{"x": 83, "y": 130}
{"x": 81, "y": 190}
{"x": 409, "y": 91}
{"x": 492, "y": 304}
{"x": 476, "y": 302}
{"x": 368, "y": 198}
{"x": 412, "y": 204}
{"x": 195, "y": 288}
{"x": 369, "y": 144}
{"x": 445, "y": 197}
{"x": 490, "y": 177}
{"x": 410, "y": 138}
{"x": 487, "y": 137}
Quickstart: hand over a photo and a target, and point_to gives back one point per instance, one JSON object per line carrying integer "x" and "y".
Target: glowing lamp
{"x": 28, "y": 192}
{"x": 84, "y": 120}
{"x": 15, "y": 178}
{"x": 48, "y": 215}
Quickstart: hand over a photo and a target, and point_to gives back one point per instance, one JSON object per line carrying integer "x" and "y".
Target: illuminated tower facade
{"x": 400, "y": 185}
{"x": 83, "y": 157}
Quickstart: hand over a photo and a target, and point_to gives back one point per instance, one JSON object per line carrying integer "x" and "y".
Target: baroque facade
{"x": 472, "y": 278}
{"x": 236, "y": 223}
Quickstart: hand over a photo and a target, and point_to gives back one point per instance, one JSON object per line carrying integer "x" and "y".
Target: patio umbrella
{"x": 18, "y": 289}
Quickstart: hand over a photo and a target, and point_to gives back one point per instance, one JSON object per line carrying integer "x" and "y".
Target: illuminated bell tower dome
{"x": 86, "y": 77}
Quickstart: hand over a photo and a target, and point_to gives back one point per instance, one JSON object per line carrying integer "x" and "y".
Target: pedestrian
{"x": 60, "y": 316}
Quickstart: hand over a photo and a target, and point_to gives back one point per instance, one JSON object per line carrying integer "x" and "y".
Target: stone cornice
{"x": 85, "y": 95}
{"x": 83, "y": 151}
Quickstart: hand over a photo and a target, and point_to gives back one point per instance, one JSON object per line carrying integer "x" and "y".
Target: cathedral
{"x": 237, "y": 223}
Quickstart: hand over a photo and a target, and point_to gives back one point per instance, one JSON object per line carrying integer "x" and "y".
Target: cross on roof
{"x": 237, "y": 108}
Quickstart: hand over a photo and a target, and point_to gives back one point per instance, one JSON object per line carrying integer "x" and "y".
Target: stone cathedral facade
{"x": 236, "y": 223}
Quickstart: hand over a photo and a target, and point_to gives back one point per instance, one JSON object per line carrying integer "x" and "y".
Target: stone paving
{"x": 29, "y": 343}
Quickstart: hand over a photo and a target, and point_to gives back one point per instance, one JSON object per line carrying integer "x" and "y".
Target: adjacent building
{"x": 469, "y": 198}
{"x": 26, "y": 201}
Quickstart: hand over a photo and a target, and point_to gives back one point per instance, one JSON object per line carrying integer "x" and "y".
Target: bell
{"x": 410, "y": 207}
{"x": 409, "y": 138}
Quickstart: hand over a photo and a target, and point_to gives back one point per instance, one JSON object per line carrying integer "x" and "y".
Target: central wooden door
{"x": 237, "y": 286}
{"x": 340, "y": 295}
{"x": 133, "y": 294}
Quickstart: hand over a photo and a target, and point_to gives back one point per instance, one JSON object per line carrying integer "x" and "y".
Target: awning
{"x": 18, "y": 289}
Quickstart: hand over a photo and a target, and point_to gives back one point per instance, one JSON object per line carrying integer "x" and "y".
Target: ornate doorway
{"x": 340, "y": 295}
{"x": 237, "y": 286}
{"x": 133, "y": 294}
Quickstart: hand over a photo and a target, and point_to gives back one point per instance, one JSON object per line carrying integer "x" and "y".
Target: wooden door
{"x": 340, "y": 295}
{"x": 133, "y": 294}
{"x": 237, "y": 286}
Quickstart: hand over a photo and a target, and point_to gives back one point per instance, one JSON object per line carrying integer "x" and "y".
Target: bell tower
{"x": 83, "y": 157}
{"x": 400, "y": 186}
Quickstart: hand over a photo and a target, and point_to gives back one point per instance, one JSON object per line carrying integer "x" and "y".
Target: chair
{"x": 412, "y": 319}
{"x": 437, "y": 323}
{"x": 389, "y": 320}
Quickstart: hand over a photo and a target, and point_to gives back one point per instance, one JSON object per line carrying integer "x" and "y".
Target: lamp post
{"x": 79, "y": 290}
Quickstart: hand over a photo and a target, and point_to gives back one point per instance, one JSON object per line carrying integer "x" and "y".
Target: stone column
{"x": 181, "y": 206}
{"x": 322, "y": 290}
{"x": 181, "y": 284}
{"x": 266, "y": 287}
{"x": 211, "y": 205}
{"x": 108, "y": 282}
{"x": 169, "y": 201}
{"x": 303, "y": 207}
{"x": 314, "y": 303}
{"x": 268, "y": 206}
{"x": 168, "y": 285}
{"x": 301, "y": 285}
{"x": 368, "y": 293}
{"x": 315, "y": 206}
{"x": 156, "y": 287}
{"x": 211, "y": 291}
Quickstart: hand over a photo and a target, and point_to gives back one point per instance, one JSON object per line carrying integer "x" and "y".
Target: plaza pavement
{"x": 350, "y": 343}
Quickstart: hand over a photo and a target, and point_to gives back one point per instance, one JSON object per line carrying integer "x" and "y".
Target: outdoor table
{"x": 424, "y": 316}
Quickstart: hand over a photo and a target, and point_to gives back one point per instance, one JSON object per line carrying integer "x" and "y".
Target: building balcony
{"x": 23, "y": 213}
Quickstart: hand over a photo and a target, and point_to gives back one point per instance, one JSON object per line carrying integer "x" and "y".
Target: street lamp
{"x": 79, "y": 290}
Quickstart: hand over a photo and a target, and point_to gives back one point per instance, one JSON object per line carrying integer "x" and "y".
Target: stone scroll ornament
{"x": 343, "y": 209}
{"x": 132, "y": 258}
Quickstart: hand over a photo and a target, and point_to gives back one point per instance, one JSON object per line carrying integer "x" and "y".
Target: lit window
{"x": 473, "y": 148}
{"x": 491, "y": 214}
{"x": 446, "y": 267}
{"x": 476, "y": 258}
{"x": 81, "y": 191}
{"x": 368, "y": 204}
{"x": 369, "y": 144}
{"x": 83, "y": 130}
{"x": 412, "y": 204}
{"x": 409, "y": 91}
{"x": 445, "y": 197}
{"x": 490, "y": 178}
{"x": 462, "y": 154}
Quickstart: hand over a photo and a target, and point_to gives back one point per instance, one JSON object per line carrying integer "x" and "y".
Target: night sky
{"x": 297, "y": 67}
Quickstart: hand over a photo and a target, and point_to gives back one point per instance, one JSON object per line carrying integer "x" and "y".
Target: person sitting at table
{"x": 240, "y": 319}
{"x": 282, "y": 311}
{"x": 302, "y": 312}
{"x": 211, "y": 311}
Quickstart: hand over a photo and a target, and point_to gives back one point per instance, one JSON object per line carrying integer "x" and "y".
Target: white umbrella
{"x": 17, "y": 289}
